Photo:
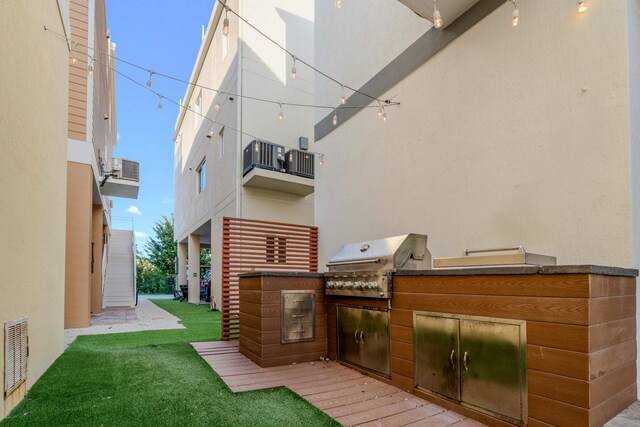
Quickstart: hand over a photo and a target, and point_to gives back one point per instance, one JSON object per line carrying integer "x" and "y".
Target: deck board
{"x": 348, "y": 396}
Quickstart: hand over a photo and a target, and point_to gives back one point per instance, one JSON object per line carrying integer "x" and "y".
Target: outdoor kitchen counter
{"x": 580, "y": 333}
{"x": 529, "y": 269}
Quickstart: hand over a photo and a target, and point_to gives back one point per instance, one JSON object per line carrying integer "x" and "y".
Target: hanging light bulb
{"x": 291, "y": 157}
{"x": 380, "y": 111}
{"x": 225, "y": 23}
{"x": 321, "y": 156}
{"x": 74, "y": 57}
{"x": 582, "y": 6}
{"x": 338, "y": 4}
{"x": 437, "y": 19}
{"x": 217, "y": 107}
{"x": 515, "y": 16}
{"x": 159, "y": 102}
{"x": 343, "y": 98}
{"x": 151, "y": 73}
{"x": 294, "y": 72}
{"x": 281, "y": 113}
{"x": 257, "y": 147}
{"x": 90, "y": 68}
{"x": 384, "y": 115}
{"x": 335, "y": 117}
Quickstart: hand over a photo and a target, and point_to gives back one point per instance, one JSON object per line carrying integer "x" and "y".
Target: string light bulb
{"x": 90, "y": 68}
{"x": 149, "y": 79}
{"x": 380, "y": 111}
{"x": 291, "y": 157}
{"x": 225, "y": 23}
{"x": 384, "y": 115}
{"x": 257, "y": 147}
{"x": 437, "y": 18}
{"x": 515, "y": 16}
{"x": 217, "y": 107}
{"x": 335, "y": 117}
{"x": 294, "y": 72}
{"x": 582, "y": 6}
{"x": 343, "y": 98}
{"x": 321, "y": 157}
{"x": 338, "y": 4}
{"x": 74, "y": 57}
{"x": 281, "y": 113}
{"x": 159, "y": 102}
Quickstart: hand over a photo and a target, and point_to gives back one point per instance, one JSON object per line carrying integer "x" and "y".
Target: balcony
{"x": 278, "y": 181}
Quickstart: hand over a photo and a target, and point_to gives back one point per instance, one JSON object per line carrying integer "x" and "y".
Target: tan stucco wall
{"x": 507, "y": 136}
{"x": 77, "y": 304}
{"x": 33, "y": 141}
{"x": 96, "y": 247}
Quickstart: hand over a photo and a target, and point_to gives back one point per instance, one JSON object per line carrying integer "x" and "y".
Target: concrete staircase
{"x": 119, "y": 285}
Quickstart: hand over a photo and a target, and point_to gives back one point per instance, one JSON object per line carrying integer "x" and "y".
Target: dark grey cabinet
{"x": 479, "y": 362}
{"x": 363, "y": 338}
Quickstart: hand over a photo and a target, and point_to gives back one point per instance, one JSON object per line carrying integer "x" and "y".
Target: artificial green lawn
{"x": 153, "y": 378}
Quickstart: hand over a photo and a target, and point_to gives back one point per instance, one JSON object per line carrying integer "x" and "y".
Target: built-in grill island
{"x": 502, "y": 336}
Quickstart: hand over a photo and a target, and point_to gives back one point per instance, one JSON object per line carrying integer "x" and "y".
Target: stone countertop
{"x": 522, "y": 269}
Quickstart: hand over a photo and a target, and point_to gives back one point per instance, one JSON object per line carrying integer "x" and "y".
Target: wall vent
{"x": 16, "y": 352}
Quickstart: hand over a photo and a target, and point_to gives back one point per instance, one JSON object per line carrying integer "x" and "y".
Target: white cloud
{"x": 140, "y": 234}
{"x": 167, "y": 200}
{"x": 134, "y": 210}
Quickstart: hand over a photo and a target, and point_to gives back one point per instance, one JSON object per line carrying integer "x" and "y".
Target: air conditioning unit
{"x": 264, "y": 155}
{"x": 126, "y": 169}
{"x": 300, "y": 163}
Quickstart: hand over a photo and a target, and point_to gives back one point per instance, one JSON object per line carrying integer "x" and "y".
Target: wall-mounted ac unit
{"x": 300, "y": 163}
{"x": 126, "y": 169}
{"x": 264, "y": 155}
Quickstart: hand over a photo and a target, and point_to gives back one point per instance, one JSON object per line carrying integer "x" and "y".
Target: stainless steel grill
{"x": 365, "y": 269}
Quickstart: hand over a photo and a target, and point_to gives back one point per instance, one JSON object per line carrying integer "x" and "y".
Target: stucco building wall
{"x": 33, "y": 138}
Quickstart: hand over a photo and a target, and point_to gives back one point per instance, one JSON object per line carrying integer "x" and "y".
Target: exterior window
{"x": 276, "y": 249}
{"x": 202, "y": 176}
{"x": 222, "y": 143}
{"x": 197, "y": 109}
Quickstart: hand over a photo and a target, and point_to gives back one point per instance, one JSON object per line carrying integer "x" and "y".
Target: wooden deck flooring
{"x": 353, "y": 399}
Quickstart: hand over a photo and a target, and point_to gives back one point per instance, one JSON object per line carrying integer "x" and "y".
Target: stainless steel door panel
{"x": 348, "y": 328}
{"x": 297, "y": 317}
{"x": 493, "y": 376}
{"x": 374, "y": 341}
{"x": 437, "y": 368}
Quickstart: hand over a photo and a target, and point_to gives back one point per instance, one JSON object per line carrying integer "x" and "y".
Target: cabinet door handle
{"x": 453, "y": 363}
{"x": 361, "y": 336}
{"x": 356, "y": 336}
{"x": 464, "y": 361}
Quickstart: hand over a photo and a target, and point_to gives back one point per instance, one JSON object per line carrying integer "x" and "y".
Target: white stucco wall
{"x": 33, "y": 174}
{"x": 507, "y": 136}
{"x": 253, "y": 67}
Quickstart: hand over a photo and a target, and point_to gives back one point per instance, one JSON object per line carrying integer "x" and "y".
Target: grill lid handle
{"x": 355, "y": 262}
{"x": 520, "y": 249}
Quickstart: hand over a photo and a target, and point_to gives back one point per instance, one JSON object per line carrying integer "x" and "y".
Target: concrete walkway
{"x": 630, "y": 417}
{"x": 145, "y": 317}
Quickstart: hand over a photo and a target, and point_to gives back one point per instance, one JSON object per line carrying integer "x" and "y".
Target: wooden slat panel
{"x": 558, "y": 387}
{"x": 613, "y": 406}
{"x": 609, "y": 286}
{"x": 607, "y": 385}
{"x": 557, "y": 413}
{"x": 561, "y": 362}
{"x": 608, "y": 309}
{"x": 402, "y": 334}
{"x": 538, "y": 285}
{"x": 556, "y": 335}
{"x": 566, "y": 310}
{"x": 612, "y": 358}
{"x": 607, "y": 334}
{"x": 267, "y": 249}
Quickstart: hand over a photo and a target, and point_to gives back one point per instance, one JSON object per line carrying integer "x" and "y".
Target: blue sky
{"x": 164, "y": 36}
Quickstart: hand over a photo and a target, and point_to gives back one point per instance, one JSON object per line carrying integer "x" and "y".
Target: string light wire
{"x": 218, "y": 91}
